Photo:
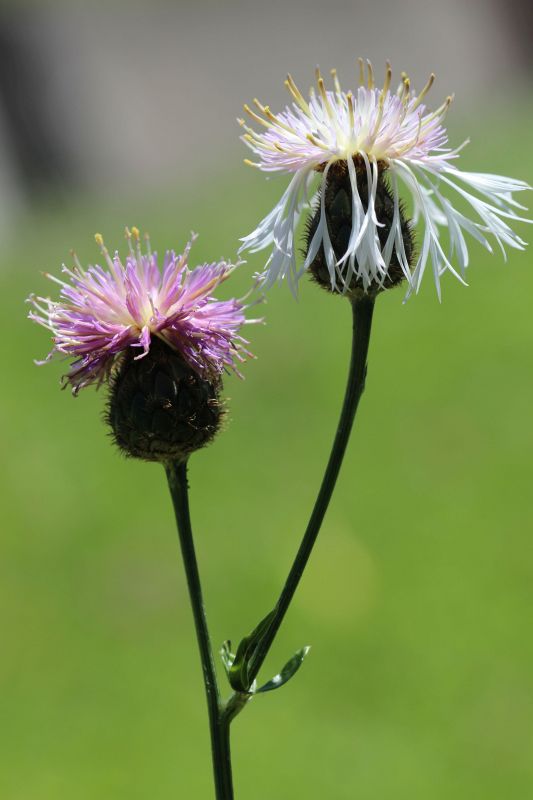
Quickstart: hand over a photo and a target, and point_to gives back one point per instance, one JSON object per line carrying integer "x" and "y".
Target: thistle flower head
{"x": 104, "y": 312}
{"x": 366, "y": 136}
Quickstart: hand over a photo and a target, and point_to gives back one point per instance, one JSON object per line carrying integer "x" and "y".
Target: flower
{"x": 373, "y": 134}
{"x": 102, "y": 313}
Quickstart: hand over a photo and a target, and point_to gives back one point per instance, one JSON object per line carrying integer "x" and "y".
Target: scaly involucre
{"x": 102, "y": 312}
{"x": 374, "y": 131}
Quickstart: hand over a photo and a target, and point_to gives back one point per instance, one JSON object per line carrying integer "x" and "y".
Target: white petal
{"x": 278, "y": 228}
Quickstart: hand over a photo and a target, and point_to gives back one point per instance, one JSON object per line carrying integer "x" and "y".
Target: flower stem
{"x": 218, "y": 721}
{"x": 362, "y": 323}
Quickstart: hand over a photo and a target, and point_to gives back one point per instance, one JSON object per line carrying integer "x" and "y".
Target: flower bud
{"x": 160, "y": 409}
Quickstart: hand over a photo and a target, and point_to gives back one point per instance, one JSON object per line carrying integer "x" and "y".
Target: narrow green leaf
{"x": 227, "y": 656}
{"x": 238, "y": 672}
{"x": 291, "y": 668}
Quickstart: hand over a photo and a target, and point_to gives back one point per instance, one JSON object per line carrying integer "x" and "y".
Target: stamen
{"x": 148, "y": 244}
{"x": 350, "y": 99}
{"x": 361, "y": 63}
{"x": 255, "y": 116}
{"x": 441, "y": 110}
{"x": 388, "y": 78}
{"x": 272, "y": 117}
{"x": 336, "y": 81}
{"x": 412, "y": 142}
{"x": 258, "y": 137}
{"x": 406, "y": 89}
{"x": 370, "y": 72}
{"x": 56, "y": 280}
{"x": 128, "y": 238}
{"x": 136, "y": 234}
{"x": 424, "y": 91}
{"x": 293, "y": 89}
{"x": 314, "y": 141}
{"x": 325, "y": 99}
{"x": 383, "y": 93}
{"x": 99, "y": 239}
{"x": 323, "y": 93}
{"x": 77, "y": 262}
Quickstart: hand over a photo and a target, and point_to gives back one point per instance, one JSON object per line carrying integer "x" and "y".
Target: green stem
{"x": 362, "y": 323}
{"x": 218, "y": 721}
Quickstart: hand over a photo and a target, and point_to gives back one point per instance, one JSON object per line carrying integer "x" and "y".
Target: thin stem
{"x": 362, "y": 323}
{"x": 218, "y": 722}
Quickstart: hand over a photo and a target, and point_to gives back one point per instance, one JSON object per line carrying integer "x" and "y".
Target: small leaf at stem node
{"x": 291, "y": 668}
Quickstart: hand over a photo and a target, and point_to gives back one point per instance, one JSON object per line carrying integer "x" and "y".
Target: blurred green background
{"x": 417, "y": 601}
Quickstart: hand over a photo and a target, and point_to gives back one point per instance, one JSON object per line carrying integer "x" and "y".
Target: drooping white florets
{"x": 373, "y": 131}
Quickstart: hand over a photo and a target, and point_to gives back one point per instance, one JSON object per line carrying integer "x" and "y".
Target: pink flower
{"x": 102, "y": 312}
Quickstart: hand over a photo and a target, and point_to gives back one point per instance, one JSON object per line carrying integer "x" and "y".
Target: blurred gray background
{"x": 123, "y": 96}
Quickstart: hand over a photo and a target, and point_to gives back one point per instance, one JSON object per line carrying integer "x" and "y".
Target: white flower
{"x": 374, "y": 131}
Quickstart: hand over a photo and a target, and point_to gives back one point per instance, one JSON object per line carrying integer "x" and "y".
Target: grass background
{"x": 418, "y": 598}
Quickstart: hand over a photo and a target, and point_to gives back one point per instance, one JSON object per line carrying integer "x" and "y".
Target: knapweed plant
{"x": 161, "y": 343}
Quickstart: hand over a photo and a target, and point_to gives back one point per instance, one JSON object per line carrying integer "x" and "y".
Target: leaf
{"x": 291, "y": 668}
{"x": 239, "y": 671}
{"x": 227, "y": 656}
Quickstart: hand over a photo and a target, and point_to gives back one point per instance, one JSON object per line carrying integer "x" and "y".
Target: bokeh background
{"x": 418, "y": 598}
